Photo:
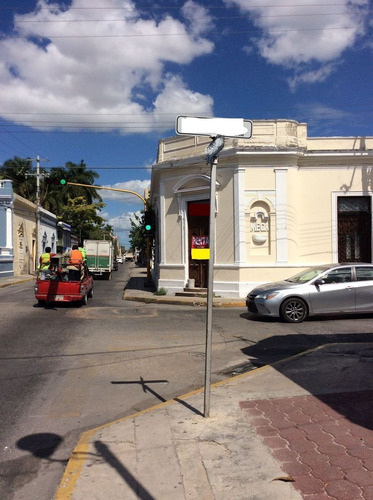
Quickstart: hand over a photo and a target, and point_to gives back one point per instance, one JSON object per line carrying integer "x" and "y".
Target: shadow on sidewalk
{"x": 339, "y": 376}
{"x": 146, "y": 388}
{"x": 104, "y": 451}
{"x": 139, "y": 280}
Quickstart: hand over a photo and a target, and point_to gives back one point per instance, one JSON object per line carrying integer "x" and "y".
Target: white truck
{"x": 99, "y": 255}
{"x": 130, "y": 257}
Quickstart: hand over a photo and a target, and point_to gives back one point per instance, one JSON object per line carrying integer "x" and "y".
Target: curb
{"x": 3, "y": 285}
{"x": 78, "y": 456}
{"x": 191, "y": 301}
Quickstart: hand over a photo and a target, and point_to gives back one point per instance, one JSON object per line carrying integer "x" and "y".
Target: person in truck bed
{"x": 44, "y": 262}
{"x": 75, "y": 264}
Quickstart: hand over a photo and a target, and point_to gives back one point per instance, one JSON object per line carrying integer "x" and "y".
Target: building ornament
{"x": 259, "y": 226}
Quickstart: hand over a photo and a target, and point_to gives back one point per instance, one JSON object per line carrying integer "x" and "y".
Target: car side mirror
{"x": 319, "y": 282}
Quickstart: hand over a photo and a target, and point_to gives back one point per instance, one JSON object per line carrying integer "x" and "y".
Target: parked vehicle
{"x": 100, "y": 255}
{"x": 129, "y": 257}
{"x": 115, "y": 265}
{"x": 59, "y": 284}
{"x": 326, "y": 289}
{"x": 119, "y": 260}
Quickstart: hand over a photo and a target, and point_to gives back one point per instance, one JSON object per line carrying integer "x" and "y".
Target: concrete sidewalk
{"x": 300, "y": 429}
{"x": 14, "y": 280}
{"x": 137, "y": 291}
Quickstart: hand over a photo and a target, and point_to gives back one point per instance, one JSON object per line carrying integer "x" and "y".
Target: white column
{"x": 161, "y": 221}
{"x": 239, "y": 216}
{"x": 9, "y": 228}
{"x": 281, "y": 215}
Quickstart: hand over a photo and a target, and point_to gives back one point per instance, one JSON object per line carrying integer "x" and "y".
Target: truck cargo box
{"x": 99, "y": 255}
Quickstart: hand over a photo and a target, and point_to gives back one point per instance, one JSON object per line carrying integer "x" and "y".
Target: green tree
{"x": 137, "y": 235}
{"x": 137, "y": 231}
{"x": 22, "y": 175}
{"x": 101, "y": 233}
{"x": 83, "y": 218}
{"x": 78, "y": 206}
{"x": 55, "y": 197}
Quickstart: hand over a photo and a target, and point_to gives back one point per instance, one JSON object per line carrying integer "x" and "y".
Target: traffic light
{"x": 149, "y": 223}
{"x": 55, "y": 181}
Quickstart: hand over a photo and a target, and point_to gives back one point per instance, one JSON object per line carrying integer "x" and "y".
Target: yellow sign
{"x": 200, "y": 253}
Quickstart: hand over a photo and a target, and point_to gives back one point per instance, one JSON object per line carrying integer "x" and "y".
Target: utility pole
{"x": 37, "y": 202}
{"x": 37, "y": 206}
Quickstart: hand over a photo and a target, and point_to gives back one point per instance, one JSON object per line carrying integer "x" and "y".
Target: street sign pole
{"x": 210, "y": 288}
{"x": 216, "y": 128}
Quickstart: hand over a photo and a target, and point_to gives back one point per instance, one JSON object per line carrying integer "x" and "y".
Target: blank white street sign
{"x": 205, "y": 125}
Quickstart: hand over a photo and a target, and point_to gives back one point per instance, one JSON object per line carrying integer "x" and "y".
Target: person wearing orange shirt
{"x": 75, "y": 263}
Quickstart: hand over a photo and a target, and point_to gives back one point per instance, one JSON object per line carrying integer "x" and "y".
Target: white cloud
{"x": 135, "y": 186}
{"x": 293, "y": 35}
{"x": 122, "y": 225}
{"x": 198, "y": 17}
{"x": 311, "y": 76}
{"x": 121, "y": 222}
{"x": 87, "y": 67}
{"x": 175, "y": 95}
{"x": 322, "y": 117}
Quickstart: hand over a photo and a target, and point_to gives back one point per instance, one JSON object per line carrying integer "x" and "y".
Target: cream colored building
{"x": 24, "y": 234}
{"x": 284, "y": 201}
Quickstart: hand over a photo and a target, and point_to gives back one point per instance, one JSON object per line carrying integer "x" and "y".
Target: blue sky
{"x": 103, "y": 80}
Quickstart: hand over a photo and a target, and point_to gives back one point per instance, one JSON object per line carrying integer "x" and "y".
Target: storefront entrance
{"x": 354, "y": 229}
{"x": 198, "y": 232}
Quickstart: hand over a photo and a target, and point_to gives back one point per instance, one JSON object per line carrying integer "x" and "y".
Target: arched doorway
{"x": 198, "y": 233}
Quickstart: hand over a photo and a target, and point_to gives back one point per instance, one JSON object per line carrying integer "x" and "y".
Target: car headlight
{"x": 267, "y": 296}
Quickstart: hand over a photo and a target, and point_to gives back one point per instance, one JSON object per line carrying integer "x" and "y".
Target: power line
{"x": 155, "y": 35}
{"x": 16, "y": 138}
{"x": 69, "y": 127}
{"x": 172, "y": 7}
{"x": 173, "y": 114}
{"x": 119, "y": 20}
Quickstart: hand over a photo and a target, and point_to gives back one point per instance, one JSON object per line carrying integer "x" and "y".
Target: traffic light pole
{"x": 148, "y": 248}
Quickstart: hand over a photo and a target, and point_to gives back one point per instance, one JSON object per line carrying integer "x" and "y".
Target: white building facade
{"x": 284, "y": 201}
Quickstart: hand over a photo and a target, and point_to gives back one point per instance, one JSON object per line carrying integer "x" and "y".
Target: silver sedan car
{"x": 326, "y": 289}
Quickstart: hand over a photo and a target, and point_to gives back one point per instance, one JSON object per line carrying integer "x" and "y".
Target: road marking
{"x": 110, "y": 312}
{"x": 74, "y": 387}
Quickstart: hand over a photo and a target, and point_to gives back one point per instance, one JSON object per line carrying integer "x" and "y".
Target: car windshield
{"x": 307, "y": 275}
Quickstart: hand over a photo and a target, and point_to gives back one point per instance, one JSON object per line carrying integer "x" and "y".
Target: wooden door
{"x": 354, "y": 229}
{"x": 198, "y": 226}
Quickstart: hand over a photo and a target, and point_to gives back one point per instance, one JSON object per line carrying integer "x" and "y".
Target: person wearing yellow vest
{"x": 75, "y": 263}
{"x": 44, "y": 262}
{"x": 84, "y": 253}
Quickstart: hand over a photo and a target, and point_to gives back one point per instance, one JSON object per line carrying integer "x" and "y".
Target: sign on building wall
{"x": 200, "y": 248}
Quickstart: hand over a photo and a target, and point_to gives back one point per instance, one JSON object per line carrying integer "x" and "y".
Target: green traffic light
{"x": 148, "y": 227}
{"x": 63, "y": 182}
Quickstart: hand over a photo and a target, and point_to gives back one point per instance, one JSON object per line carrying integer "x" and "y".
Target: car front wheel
{"x": 293, "y": 310}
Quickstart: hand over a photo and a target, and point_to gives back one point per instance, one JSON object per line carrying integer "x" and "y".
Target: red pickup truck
{"x": 58, "y": 284}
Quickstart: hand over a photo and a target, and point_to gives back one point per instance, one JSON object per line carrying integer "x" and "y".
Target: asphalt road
{"x": 66, "y": 369}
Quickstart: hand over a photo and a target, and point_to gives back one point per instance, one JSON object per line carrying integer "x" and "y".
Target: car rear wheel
{"x": 293, "y": 310}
